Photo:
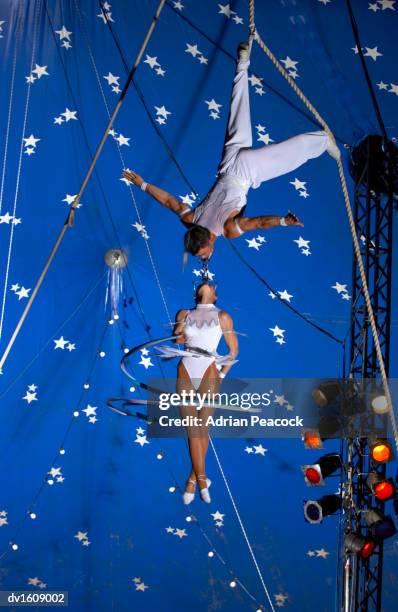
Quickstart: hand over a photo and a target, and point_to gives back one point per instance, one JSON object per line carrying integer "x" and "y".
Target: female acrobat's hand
{"x": 181, "y": 339}
{"x": 291, "y": 219}
{"x": 133, "y": 177}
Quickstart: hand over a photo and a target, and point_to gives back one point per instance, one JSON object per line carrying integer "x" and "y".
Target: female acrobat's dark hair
{"x": 196, "y": 238}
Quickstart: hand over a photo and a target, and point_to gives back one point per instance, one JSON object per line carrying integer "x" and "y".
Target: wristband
{"x": 282, "y": 221}
{"x": 144, "y": 185}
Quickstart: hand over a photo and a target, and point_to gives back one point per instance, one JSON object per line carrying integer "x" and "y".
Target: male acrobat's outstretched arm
{"x": 163, "y": 197}
{"x": 236, "y": 226}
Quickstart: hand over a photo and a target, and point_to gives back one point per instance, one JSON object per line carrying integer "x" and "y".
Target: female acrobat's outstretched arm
{"x": 227, "y": 326}
{"x": 163, "y": 197}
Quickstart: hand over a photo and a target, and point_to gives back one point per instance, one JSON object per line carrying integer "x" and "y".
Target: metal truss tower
{"x": 372, "y": 168}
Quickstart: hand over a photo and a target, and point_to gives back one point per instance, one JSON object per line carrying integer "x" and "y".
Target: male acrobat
{"x": 242, "y": 167}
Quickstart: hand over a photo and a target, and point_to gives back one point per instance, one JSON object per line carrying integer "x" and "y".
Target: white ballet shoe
{"x": 204, "y": 493}
{"x": 332, "y": 148}
{"x": 187, "y": 497}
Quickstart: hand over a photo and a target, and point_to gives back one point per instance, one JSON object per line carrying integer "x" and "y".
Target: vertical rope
{"x": 354, "y": 236}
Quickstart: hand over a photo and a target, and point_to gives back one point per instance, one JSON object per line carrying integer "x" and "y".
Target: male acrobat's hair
{"x": 196, "y": 238}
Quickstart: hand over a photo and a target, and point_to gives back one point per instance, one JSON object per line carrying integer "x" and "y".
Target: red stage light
{"x": 384, "y": 490}
{"x": 312, "y": 439}
{"x": 381, "y": 451}
{"x": 367, "y": 549}
{"x": 312, "y": 475}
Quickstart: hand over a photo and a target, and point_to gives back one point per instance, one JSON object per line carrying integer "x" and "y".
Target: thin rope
{"x": 242, "y": 526}
{"x": 343, "y": 182}
{"x": 151, "y": 259}
{"x": 155, "y": 126}
{"x": 375, "y": 104}
{"x": 10, "y": 104}
{"x": 19, "y": 169}
{"x": 284, "y": 302}
{"x": 144, "y": 322}
{"x": 70, "y": 219}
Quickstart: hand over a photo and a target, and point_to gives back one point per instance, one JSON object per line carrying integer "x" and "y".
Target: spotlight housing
{"x": 315, "y": 473}
{"x": 312, "y": 439}
{"x": 381, "y": 527}
{"x": 359, "y": 545}
{"x": 379, "y": 401}
{"x": 370, "y": 161}
{"x": 382, "y": 488}
{"x": 326, "y": 393}
{"x": 381, "y": 451}
{"x": 316, "y": 510}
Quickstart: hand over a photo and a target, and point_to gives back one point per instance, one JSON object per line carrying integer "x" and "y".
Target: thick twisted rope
{"x": 343, "y": 182}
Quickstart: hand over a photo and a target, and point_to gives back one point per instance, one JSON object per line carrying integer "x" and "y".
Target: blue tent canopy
{"x": 88, "y": 503}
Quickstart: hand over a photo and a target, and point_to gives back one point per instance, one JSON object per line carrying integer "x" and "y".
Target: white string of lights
{"x": 61, "y": 450}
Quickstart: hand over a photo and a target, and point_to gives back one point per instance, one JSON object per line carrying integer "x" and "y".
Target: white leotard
{"x": 203, "y": 331}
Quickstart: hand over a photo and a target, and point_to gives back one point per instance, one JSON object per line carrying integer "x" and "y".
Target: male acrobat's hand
{"x": 291, "y": 219}
{"x": 133, "y": 177}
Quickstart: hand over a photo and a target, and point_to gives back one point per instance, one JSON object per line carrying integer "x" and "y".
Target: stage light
{"x": 315, "y": 473}
{"x": 210, "y": 554}
{"x": 379, "y": 401}
{"x": 111, "y": 321}
{"x": 102, "y": 353}
{"x": 62, "y": 451}
{"x": 326, "y": 393}
{"x": 381, "y": 451}
{"x": 50, "y": 481}
{"x": 132, "y": 389}
{"x": 116, "y": 317}
{"x": 32, "y": 515}
{"x": 86, "y": 386}
{"x": 159, "y": 456}
{"x": 381, "y": 527}
{"x": 312, "y": 439}
{"x": 188, "y": 519}
{"x": 125, "y": 350}
{"x": 14, "y": 546}
{"x": 359, "y": 545}
{"x": 315, "y": 511}
{"x": 172, "y": 489}
{"x": 382, "y": 488}
{"x": 232, "y": 584}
